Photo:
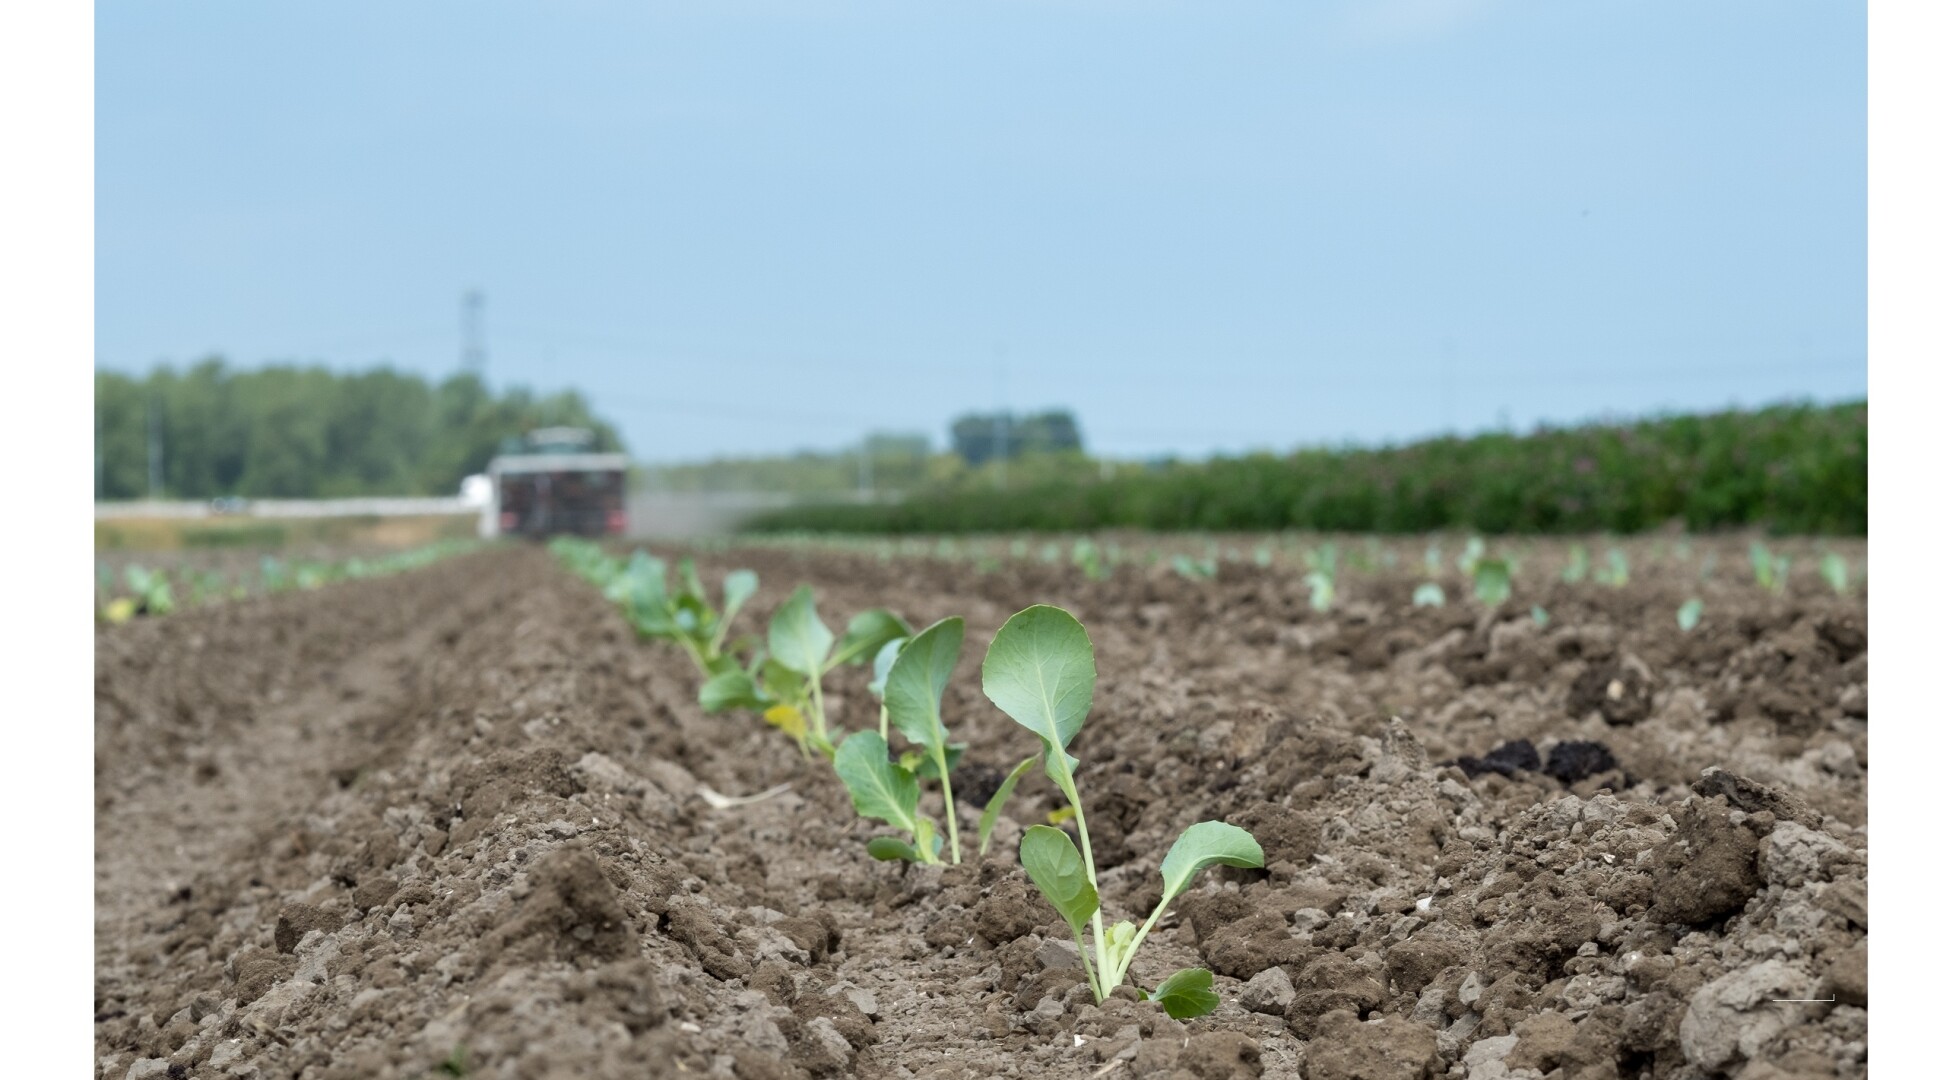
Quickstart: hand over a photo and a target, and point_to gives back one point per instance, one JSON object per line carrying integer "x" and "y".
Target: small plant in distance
{"x": 1768, "y": 570}
{"x": 1040, "y": 671}
{"x": 684, "y": 616}
{"x": 1688, "y": 614}
{"x": 1615, "y": 571}
{"x": 1429, "y": 594}
{"x": 1086, "y": 555}
{"x": 1578, "y": 566}
{"x": 1194, "y": 569}
{"x": 786, "y": 685}
{"x": 1833, "y": 569}
{"x": 1492, "y": 581}
{"x": 1321, "y": 564}
{"x": 1540, "y": 616}
{"x": 152, "y": 593}
{"x": 912, "y": 694}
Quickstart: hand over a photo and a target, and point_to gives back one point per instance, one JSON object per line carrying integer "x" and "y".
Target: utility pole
{"x": 473, "y": 319}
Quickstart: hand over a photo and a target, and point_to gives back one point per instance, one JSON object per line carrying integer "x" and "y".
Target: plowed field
{"x": 451, "y": 823}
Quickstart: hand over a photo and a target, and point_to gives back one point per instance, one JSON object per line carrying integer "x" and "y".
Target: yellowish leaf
{"x": 1060, "y": 815}
{"x": 789, "y": 719}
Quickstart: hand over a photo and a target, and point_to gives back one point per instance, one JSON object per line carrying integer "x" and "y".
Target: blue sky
{"x": 747, "y": 227}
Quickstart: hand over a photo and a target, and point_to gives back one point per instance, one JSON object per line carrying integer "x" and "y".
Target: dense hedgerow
{"x": 1794, "y": 468}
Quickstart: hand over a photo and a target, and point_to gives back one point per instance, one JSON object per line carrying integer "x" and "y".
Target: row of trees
{"x": 308, "y": 432}
{"x": 981, "y": 437}
{"x": 1794, "y": 468}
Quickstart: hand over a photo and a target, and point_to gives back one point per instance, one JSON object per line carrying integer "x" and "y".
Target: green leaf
{"x": 1203, "y": 845}
{"x": 992, "y": 809}
{"x": 1833, "y": 569}
{"x": 1118, "y": 937}
{"x": 1688, "y": 614}
{"x": 1053, "y": 862}
{"x": 913, "y": 693}
{"x": 1429, "y": 594}
{"x": 889, "y": 849}
{"x": 690, "y": 583}
{"x": 782, "y": 683}
{"x": 885, "y": 659}
{"x": 730, "y": 690}
{"x": 1188, "y": 993}
{"x": 1040, "y": 672}
{"x": 879, "y": 788}
{"x": 736, "y": 590}
{"x": 926, "y": 838}
{"x": 868, "y": 632}
{"x": 797, "y": 638}
{"x": 923, "y": 766}
{"x": 1320, "y": 590}
{"x": 1492, "y": 581}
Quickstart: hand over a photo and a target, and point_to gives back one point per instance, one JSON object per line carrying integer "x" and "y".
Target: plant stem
{"x": 817, "y": 713}
{"x": 693, "y": 653}
{"x": 949, "y": 806}
{"x": 1090, "y": 975}
{"x": 883, "y": 724}
{"x": 1091, "y": 871}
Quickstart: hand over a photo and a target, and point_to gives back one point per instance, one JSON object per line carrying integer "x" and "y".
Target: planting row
{"x": 1039, "y": 671}
{"x": 139, "y": 590}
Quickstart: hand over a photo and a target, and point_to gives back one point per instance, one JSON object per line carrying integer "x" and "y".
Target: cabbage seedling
{"x": 1194, "y": 569}
{"x": 1578, "y": 566}
{"x": 1540, "y": 616}
{"x": 884, "y": 790}
{"x": 1429, "y": 594}
{"x": 1688, "y": 614}
{"x": 1833, "y": 569}
{"x": 786, "y": 686}
{"x": 1040, "y": 671}
{"x": 1321, "y": 564}
{"x": 913, "y": 697}
{"x": 684, "y": 617}
{"x": 153, "y": 594}
{"x": 1768, "y": 570}
{"x": 1616, "y": 569}
{"x": 1086, "y": 556}
{"x": 1492, "y": 581}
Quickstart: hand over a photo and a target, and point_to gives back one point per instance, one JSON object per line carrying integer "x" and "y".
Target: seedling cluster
{"x": 146, "y": 592}
{"x": 1039, "y": 671}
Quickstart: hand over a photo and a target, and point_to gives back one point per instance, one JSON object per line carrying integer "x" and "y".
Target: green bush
{"x": 1791, "y": 468}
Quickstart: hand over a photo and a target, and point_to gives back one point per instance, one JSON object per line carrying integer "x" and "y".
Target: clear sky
{"x": 748, "y": 227}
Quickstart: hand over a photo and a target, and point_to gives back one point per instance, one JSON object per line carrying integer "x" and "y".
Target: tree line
{"x": 1791, "y": 468}
{"x": 308, "y": 432}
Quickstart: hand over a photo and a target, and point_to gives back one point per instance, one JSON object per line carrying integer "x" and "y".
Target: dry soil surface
{"x": 451, "y": 823}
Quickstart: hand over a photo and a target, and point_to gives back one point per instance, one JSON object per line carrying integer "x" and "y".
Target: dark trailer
{"x": 554, "y": 489}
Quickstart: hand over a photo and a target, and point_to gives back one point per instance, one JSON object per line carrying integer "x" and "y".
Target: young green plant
{"x": 1040, "y": 671}
{"x": 912, "y": 694}
{"x": 786, "y": 685}
{"x": 1492, "y": 581}
{"x": 1321, "y": 565}
{"x": 1688, "y": 614}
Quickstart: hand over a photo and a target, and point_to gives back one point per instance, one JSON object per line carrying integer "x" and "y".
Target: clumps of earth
{"x": 453, "y": 823}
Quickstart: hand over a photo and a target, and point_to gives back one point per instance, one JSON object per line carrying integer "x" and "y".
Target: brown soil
{"x": 448, "y": 823}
